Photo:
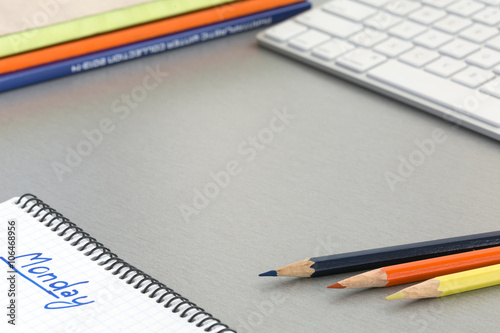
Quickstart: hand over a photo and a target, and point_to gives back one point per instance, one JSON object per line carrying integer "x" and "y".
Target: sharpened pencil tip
{"x": 270, "y": 273}
{"x": 398, "y": 295}
{"x": 336, "y": 286}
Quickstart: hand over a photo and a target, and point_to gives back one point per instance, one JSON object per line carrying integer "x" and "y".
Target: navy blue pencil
{"x": 386, "y": 256}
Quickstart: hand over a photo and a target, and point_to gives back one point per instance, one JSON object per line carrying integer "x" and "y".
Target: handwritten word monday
{"x": 44, "y": 278}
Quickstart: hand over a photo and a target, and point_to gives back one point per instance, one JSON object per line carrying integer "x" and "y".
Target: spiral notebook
{"x": 57, "y": 278}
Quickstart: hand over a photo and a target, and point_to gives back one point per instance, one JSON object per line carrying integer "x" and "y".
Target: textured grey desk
{"x": 317, "y": 185}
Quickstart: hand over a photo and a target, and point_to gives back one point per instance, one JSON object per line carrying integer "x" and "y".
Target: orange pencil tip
{"x": 336, "y": 286}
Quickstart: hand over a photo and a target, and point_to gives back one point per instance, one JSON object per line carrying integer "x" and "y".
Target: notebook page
{"x": 84, "y": 297}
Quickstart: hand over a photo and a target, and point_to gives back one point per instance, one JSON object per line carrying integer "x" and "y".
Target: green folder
{"x": 100, "y": 23}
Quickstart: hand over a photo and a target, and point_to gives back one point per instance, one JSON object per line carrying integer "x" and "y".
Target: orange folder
{"x": 138, "y": 33}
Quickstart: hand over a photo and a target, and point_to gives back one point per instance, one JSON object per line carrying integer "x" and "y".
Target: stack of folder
{"x": 63, "y": 38}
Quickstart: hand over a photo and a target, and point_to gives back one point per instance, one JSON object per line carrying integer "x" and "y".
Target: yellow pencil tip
{"x": 398, "y": 295}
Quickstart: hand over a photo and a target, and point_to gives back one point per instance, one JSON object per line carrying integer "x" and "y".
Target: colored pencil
{"x": 452, "y": 284}
{"x": 151, "y": 46}
{"x": 422, "y": 269}
{"x": 375, "y": 258}
{"x": 99, "y": 23}
{"x": 138, "y": 33}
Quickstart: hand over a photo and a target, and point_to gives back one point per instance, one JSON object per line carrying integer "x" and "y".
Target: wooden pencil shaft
{"x": 430, "y": 268}
{"x": 452, "y": 283}
{"x": 376, "y": 258}
{"x": 469, "y": 280}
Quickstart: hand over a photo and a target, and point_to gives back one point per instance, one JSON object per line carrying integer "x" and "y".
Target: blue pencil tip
{"x": 270, "y": 273}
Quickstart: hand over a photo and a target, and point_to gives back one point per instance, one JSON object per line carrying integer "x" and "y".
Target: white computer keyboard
{"x": 442, "y": 56}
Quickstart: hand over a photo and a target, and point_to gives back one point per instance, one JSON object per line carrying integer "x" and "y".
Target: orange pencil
{"x": 422, "y": 269}
{"x": 138, "y": 33}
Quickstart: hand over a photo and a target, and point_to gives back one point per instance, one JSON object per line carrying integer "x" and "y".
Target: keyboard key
{"x": 432, "y": 39}
{"x": 407, "y": 30}
{"x": 452, "y": 24}
{"x": 492, "y": 88}
{"x": 450, "y": 94}
{"x": 427, "y": 15}
{"x": 349, "y": 9}
{"x": 368, "y": 37}
{"x": 419, "y": 56}
{"x": 360, "y": 60}
{"x": 382, "y": 20}
{"x": 402, "y": 7}
{"x": 489, "y": 16}
{"x": 473, "y": 77}
{"x": 332, "y": 49}
{"x": 308, "y": 40}
{"x": 494, "y": 43}
{"x": 491, "y": 2}
{"x": 329, "y": 24}
{"x": 445, "y": 66}
{"x": 438, "y": 3}
{"x": 459, "y": 48}
{"x": 284, "y": 31}
{"x": 393, "y": 47}
{"x": 485, "y": 58}
{"x": 465, "y": 7}
{"x": 478, "y": 33}
{"x": 375, "y": 3}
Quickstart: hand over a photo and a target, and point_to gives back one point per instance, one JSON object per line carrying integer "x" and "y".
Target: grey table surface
{"x": 315, "y": 183}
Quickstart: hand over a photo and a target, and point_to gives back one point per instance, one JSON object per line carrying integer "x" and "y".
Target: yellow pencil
{"x": 452, "y": 284}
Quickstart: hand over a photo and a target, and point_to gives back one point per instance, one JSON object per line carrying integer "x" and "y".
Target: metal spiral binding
{"x": 113, "y": 263}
